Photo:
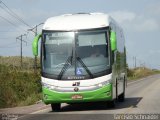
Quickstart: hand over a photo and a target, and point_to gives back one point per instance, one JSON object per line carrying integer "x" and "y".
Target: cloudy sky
{"x": 140, "y": 20}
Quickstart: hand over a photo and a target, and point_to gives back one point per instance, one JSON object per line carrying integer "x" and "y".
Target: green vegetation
{"x": 18, "y": 85}
{"x": 140, "y": 72}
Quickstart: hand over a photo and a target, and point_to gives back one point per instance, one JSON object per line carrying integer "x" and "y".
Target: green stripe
{"x": 88, "y": 96}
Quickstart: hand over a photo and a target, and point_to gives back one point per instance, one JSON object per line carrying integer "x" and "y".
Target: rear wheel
{"x": 121, "y": 97}
{"x": 56, "y": 106}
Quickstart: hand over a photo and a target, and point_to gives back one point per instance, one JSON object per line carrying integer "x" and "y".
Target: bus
{"x": 83, "y": 59}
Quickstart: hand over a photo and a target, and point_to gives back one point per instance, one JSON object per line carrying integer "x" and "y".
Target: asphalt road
{"x": 142, "y": 96}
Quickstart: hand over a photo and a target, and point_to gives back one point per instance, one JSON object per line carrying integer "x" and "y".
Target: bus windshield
{"x": 79, "y": 53}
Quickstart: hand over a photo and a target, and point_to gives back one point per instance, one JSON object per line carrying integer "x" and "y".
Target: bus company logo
{"x": 76, "y": 89}
{"x": 75, "y": 77}
{"x": 76, "y": 84}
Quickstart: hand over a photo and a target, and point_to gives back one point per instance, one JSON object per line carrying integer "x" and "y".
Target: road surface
{"x": 142, "y": 97}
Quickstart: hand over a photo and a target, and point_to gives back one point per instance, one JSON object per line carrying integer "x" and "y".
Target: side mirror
{"x": 113, "y": 41}
{"x": 35, "y": 45}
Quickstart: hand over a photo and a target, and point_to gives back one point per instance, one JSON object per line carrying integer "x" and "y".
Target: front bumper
{"x": 102, "y": 94}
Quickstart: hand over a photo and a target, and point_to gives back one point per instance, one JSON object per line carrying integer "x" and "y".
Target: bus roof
{"x": 77, "y": 21}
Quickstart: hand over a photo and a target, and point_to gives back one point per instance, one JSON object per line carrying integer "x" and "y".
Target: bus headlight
{"x": 104, "y": 83}
{"x": 51, "y": 87}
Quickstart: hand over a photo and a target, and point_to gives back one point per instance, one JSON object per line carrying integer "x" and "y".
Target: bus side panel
{"x": 119, "y": 63}
{"x": 119, "y": 60}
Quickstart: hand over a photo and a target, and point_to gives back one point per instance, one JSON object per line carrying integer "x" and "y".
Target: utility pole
{"x": 135, "y": 62}
{"x": 34, "y": 29}
{"x": 21, "y": 39}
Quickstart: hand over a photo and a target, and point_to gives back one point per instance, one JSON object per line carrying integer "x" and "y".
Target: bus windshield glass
{"x": 92, "y": 48}
{"x": 79, "y": 53}
{"x": 58, "y": 48}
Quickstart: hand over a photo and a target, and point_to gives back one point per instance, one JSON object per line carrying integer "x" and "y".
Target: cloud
{"x": 135, "y": 22}
{"x": 147, "y": 25}
{"x": 153, "y": 8}
{"x": 123, "y": 16}
{"x": 154, "y": 52}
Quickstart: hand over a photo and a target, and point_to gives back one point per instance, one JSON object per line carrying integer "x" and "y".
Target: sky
{"x": 140, "y": 20}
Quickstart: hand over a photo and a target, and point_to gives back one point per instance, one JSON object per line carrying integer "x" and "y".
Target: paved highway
{"x": 142, "y": 96}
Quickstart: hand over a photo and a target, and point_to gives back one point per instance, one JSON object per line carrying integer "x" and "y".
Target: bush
{"x": 18, "y": 87}
{"x": 140, "y": 72}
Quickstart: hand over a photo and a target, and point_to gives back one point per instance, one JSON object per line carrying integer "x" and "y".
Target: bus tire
{"x": 116, "y": 90}
{"x": 121, "y": 97}
{"x": 56, "y": 106}
{"x": 111, "y": 104}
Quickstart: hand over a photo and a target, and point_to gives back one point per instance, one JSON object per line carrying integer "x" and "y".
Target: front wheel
{"x": 111, "y": 104}
{"x": 56, "y": 106}
{"x": 121, "y": 97}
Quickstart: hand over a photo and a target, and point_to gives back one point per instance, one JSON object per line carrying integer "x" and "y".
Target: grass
{"x": 19, "y": 86}
{"x": 140, "y": 72}
{"x": 33, "y": 98}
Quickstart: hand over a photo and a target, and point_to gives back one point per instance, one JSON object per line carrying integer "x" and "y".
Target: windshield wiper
{"x": 65, "y": 67}
{"x": 85, "y": 67}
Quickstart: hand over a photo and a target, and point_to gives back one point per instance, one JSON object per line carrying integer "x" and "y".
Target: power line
{"x": 13, "y": 14}
{"x": 6, "y": 11}
{"x": 8, "y": 21}
{"x": 5, "y": 19}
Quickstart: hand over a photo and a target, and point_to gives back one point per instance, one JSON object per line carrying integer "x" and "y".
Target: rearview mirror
{"x": 113, "y": 41}
{"x": 35, "y": 45}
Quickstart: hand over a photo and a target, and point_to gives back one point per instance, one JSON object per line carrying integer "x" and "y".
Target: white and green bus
{"x": 82, "y": 59}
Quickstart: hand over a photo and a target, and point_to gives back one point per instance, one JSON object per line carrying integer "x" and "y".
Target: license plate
{"x": 75, "y": 97}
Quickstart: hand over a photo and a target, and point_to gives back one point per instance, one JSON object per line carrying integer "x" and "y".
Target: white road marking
{"x": 138, "y": 80}
{"x": 39, "y": 111}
